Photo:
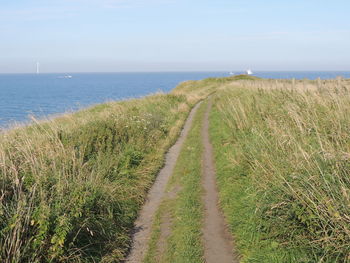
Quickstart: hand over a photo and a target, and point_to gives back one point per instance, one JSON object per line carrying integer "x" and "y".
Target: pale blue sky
{"x": 173, "y": 35}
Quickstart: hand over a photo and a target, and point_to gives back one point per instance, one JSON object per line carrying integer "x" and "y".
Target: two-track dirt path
{"x": 217, "y": 241}
{"x": 143, "y": 225}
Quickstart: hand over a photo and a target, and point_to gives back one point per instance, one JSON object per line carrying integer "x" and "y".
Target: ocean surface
{"x": 22, "y": 95}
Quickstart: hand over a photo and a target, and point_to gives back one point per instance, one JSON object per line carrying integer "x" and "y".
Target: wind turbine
{"x": 37, "y": 67}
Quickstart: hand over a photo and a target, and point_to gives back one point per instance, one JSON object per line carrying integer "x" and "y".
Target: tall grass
{"x": 180, "y": 241}
{"x": 287, "y": 145}
{"x": 71, "y": 187}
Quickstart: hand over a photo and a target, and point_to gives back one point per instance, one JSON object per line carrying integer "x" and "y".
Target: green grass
{"x": 283, "y": 174}
{"x": 71, "y": 191}
{"x": 242, "y": 77}
{"x": 239, "y": 199}
{"x": 71, "y": 187}
{"x": 184, "y": 244}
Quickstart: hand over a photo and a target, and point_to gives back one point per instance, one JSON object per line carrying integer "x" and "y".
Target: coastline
{"x": 80, "y": 179}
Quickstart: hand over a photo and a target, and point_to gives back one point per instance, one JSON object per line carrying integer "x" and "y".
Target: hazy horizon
{"x": 236, "y": 72}
{"x": 173, "y": 36}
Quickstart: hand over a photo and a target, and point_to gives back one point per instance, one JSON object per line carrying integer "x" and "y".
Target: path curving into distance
{"x": 218, "y": 243}
{"x": 143, "y": 225}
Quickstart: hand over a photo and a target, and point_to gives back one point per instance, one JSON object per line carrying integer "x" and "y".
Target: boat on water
{"x": 231, "y": 73}
{"x": 65, "y": 77}
{"x": 249, "y": 72}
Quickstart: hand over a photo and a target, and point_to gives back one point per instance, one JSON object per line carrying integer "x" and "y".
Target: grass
{"x": 282, "y": 151}
{"x": 71, "y": 187}
{"x": 183, "y": 208}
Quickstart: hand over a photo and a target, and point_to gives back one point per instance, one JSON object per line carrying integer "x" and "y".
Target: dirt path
{"x": 142, "y": 229}
{"x": 218, "y": 244}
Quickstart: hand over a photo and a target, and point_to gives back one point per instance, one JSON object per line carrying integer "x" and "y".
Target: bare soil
{"x": 217, "y": 240}
{"x": 142, "y": 229}
{"x": 218, "y": 243}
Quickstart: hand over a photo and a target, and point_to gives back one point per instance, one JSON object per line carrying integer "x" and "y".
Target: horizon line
{"x": 172, "y": 71}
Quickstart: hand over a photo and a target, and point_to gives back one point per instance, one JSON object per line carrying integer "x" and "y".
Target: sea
{"x": 44, "y": 95}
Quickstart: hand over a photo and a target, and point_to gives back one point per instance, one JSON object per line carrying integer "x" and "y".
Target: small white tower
{"x": 37, "y": 68}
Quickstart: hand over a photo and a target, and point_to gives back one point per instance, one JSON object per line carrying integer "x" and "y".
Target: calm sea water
{"x": 40, "y": 95}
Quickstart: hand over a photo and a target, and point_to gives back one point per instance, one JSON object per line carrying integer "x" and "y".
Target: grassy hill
{"x": 71, "y": 187}
{"x": 282, "y": 155}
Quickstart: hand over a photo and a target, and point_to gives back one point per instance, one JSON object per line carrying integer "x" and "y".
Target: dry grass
{"x": 288, "y": 144}
{"x": 71, "y": 187}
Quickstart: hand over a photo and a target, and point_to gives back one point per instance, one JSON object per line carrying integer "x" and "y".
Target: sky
{"x": 173, "y": 35}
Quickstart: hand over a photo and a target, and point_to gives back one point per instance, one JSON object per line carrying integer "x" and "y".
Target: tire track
{"x": 142, "y": 229}
{"x": 218, "y": 243}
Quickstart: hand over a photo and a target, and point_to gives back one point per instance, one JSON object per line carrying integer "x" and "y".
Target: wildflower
{"x": 91, "y": 233}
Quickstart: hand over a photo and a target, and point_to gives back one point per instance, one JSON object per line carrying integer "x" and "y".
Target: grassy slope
{"x": 185, "y": 207}
{"x": 283, "y": 171}
{"x": 239, "y": 199}
{"x": 71, "y": 187}
{"x": 72, "y": 191}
